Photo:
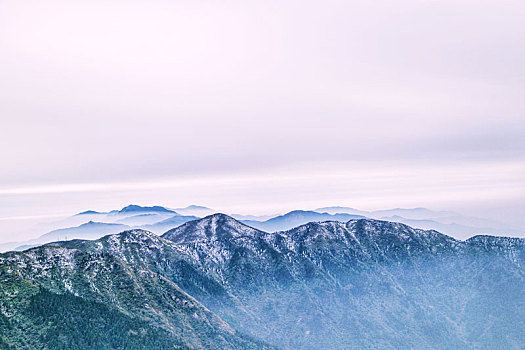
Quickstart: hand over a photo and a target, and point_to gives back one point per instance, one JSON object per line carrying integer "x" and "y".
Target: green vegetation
{"x": 70, "y": 298}
{"x": 53, "y": 321}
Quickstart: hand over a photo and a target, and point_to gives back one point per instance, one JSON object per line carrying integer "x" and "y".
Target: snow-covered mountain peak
{"x": 212, "y": 227}
{"x": 136, "y": 235}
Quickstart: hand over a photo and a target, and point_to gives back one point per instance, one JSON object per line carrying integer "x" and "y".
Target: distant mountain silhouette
{"x": 296, "y": 218}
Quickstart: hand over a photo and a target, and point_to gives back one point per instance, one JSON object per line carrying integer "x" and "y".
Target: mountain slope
{"x": 362, "y": 284}
{"x": 37, "y": 318}
{"x": 111, "y": 274}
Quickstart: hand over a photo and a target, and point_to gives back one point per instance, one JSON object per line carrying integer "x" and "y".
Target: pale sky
{"x": 262, "y": 106}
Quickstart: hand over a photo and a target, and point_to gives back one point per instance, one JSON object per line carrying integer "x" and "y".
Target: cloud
{"x": 97, "y": 96}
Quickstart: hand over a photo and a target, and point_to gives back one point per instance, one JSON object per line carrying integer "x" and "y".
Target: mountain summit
{"x": 213, "y": 227}
{"x": 139, "y": 209}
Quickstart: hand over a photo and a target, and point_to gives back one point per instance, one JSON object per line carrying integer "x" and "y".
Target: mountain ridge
{"x": 160, "y": 219}
{"x": 80, "y": 268}
{"x": 295, "y": 218}
{"x": 363, "y": 283}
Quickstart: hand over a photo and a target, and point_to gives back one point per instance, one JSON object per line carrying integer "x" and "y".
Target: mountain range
{"x": 93, "y": 224}
{"x": 451, "y": 223}
{"x": 296, "y": 218}
{"x": 217, "y": 283}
